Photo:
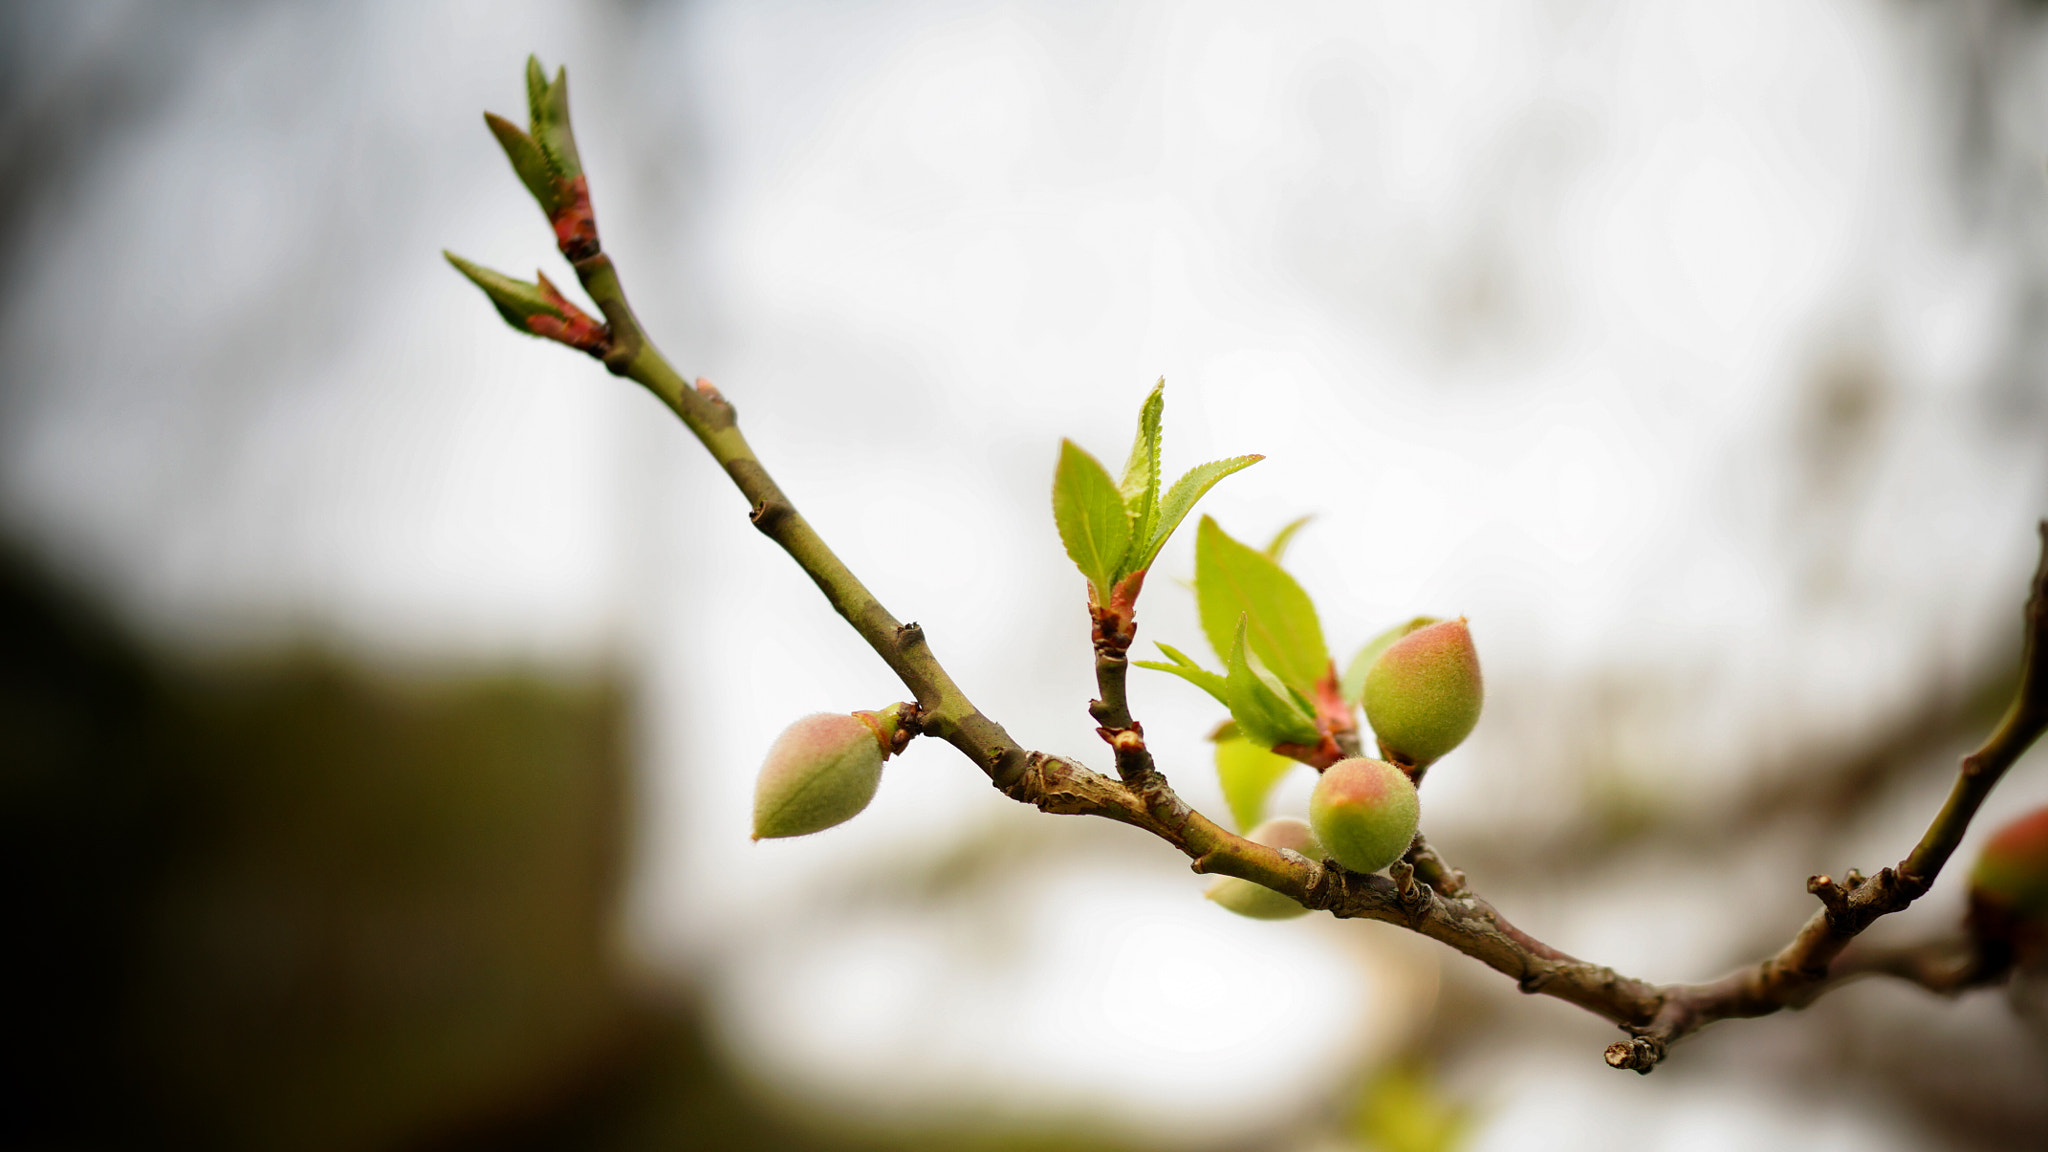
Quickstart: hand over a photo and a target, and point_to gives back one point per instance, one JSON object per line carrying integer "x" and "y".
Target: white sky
{"x": 1524, "y": 302}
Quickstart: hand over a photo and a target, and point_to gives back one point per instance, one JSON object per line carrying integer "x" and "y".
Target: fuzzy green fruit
{"x": 1256, "y": 900}
{"x": 1364, "y": 813}
{"x": 821, "y": 771}
{"x": 1422, "y": 696}
{"x": 2009, "y": 886}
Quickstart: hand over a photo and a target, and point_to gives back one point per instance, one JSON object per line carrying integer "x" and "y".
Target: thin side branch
{"x": 1802, "y": 969}
{"x": 1943, "y": 967}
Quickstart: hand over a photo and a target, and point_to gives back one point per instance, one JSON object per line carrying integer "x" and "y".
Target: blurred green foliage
{"x": 1402, "y": 1110}
{"x": 287, "y": 902}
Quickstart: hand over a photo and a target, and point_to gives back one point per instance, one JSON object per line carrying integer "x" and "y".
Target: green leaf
{"x": 1090, "y": 514}
{"x": 1353, "y": 684}
{"x": 1248, "y": 774}
{"x": 1267, "y": 711}
{"x": 1234, "y": 582}
{"x": 1189, "y": 671}
{"x": 527, "y": 160}
{"x": 1277, "y": 547}
{"x": 1140, "y": 484}
{"x": 1402, "y": 1110}
{"x": 1180, "y": 500}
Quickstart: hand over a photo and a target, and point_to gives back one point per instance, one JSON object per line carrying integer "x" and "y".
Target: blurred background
{"x": 383, "y": 690}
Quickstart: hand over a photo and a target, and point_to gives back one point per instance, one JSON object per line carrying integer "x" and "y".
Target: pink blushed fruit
{"x": 821, "y": 771}
{"x": 1423, "y": 695}
{"x": 1364, "y": 813}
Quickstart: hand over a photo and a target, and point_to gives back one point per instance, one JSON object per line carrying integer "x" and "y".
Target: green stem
{"x": 945, "y": 710}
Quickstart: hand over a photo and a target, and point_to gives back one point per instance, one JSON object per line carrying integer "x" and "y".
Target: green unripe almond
{"x": 2009, "y": 885}
{"x": 1256, "y": 900}
{"x": 1364, "y": 813}
{"x": 1422, "y": 696}
{"x": 821, "y": 771}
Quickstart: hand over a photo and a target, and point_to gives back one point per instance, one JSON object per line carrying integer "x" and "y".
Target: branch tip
{"x": 1639, "y": 1055}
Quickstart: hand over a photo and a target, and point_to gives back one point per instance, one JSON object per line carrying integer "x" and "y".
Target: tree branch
{"x": 1800, "y": 971}
{"x": 1441, "y": 906}
{"x": 1947, "y": 967}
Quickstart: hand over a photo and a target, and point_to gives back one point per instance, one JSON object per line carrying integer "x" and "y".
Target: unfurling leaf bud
{"x": 545, "y": 157}
{"x": 538, "y": 309}
{"x": 2009, "y": 887}
{"x": 1363, "y": 813}
{"x": 822, "y": 771}
{"x": 1256, "y": 900}
{"x": 1422, "y": 696}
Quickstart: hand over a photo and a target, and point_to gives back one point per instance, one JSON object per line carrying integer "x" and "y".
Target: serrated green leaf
{"x": 1140, "y": 484}
{"x": 1188, "y": 670}
{"x": 1180, "y": 500}
{"x": 1089, "y": 512}
{"x": 1233, "y": 582}
{"x": 547, "y": 103}
{"x": 1267, "y": 711}
{"x": 1248, "y": 774}
{"x": 536, "y": 87}
{"x": 1353, "y": 683}
{"x": 1277, "y": 547}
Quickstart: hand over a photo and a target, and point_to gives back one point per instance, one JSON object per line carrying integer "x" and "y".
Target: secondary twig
{"x": 1802, "y": 967}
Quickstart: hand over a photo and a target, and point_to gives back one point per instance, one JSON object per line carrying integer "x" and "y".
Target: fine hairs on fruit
{"x": 821, "y": 771}
{"x": 1423, "y": 694}
{"x": 1364, "y": 813}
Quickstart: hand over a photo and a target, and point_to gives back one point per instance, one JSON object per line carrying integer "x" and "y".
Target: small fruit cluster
{"x": 1422, "y": 694}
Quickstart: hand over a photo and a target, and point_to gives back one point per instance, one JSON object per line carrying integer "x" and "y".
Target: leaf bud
{"x": 2009, "y": 887}
{"x": 822, "y": 771}
{"x": 538, "y": 309}
{"x": 545, "y": 157}
{"x": 1422, "y": 695}
{"x": 1364, "y": 812}
{"x": 1257, "y": 901}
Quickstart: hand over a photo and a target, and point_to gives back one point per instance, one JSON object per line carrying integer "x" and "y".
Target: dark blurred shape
{"x": 292, "y": 903}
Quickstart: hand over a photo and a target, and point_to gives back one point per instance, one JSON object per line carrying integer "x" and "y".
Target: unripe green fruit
{"x": 2009, "y": 885}
{"x": 821, "y": 771}
{"x": 1256, "y": 900}
{"x": 1364, "y": 813}
{"x": 1422, "y": 696}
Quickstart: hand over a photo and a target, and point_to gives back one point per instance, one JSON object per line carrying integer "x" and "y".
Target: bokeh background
{"x": 383, "y": 689}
